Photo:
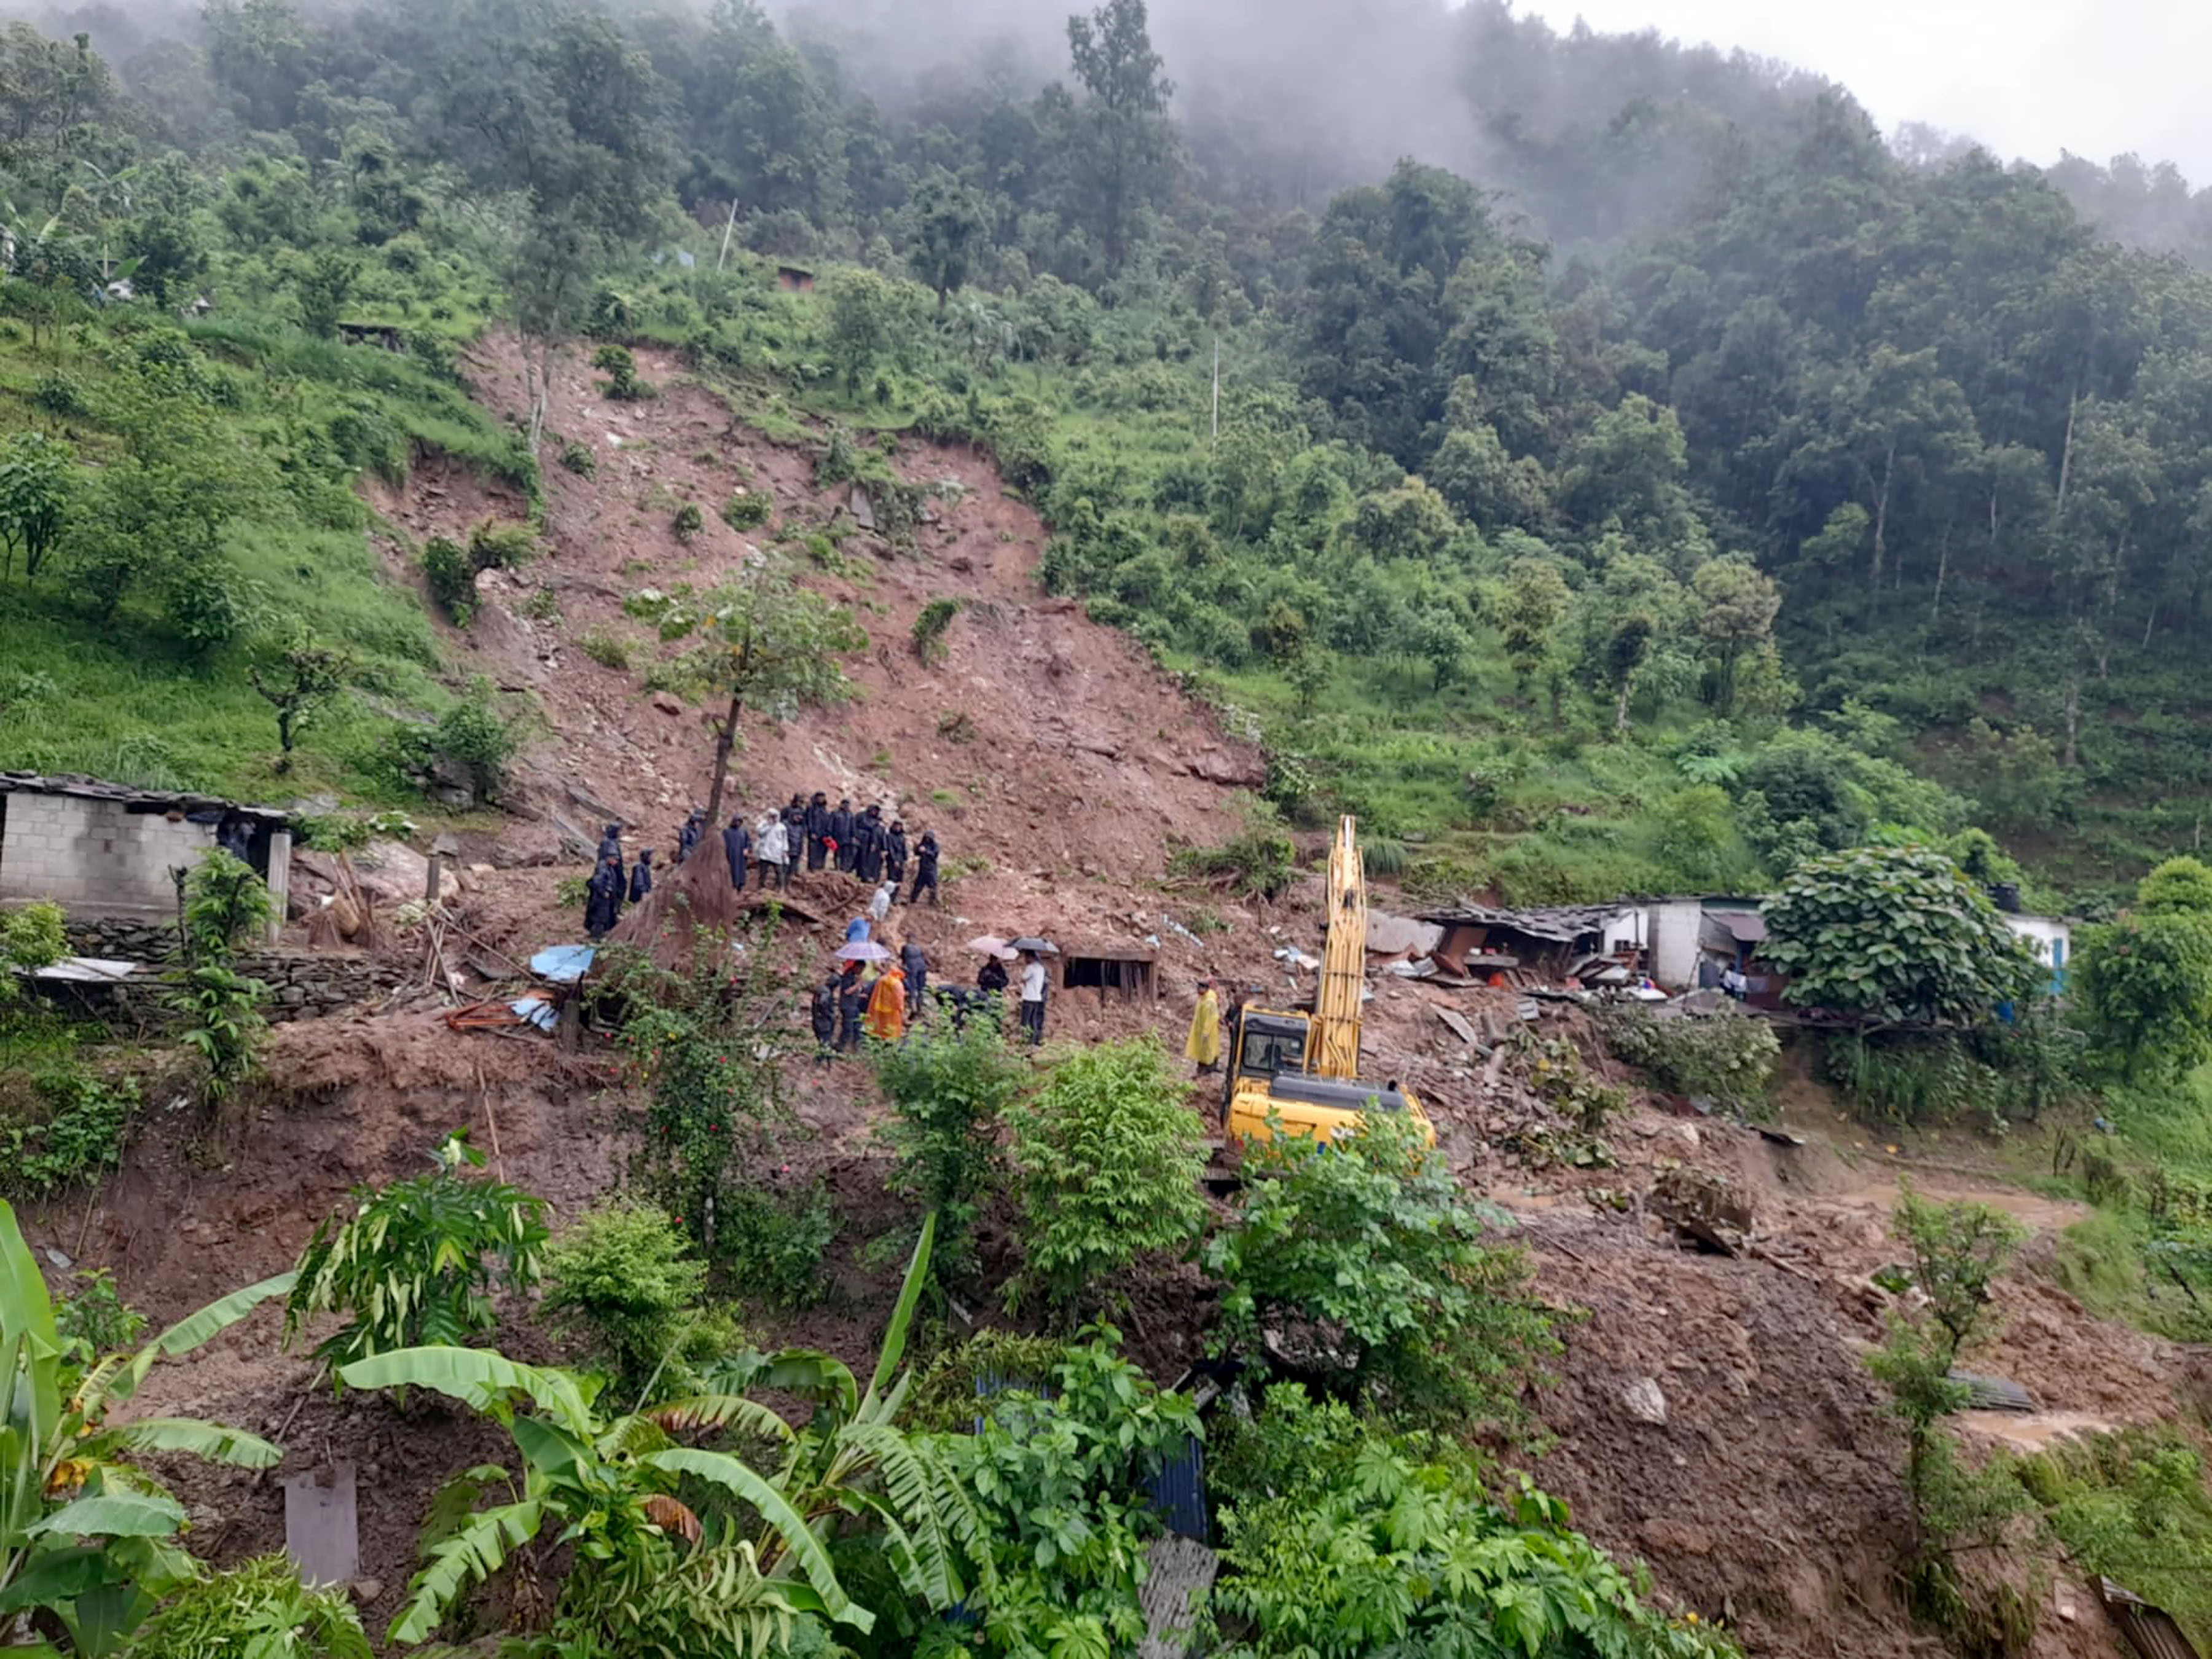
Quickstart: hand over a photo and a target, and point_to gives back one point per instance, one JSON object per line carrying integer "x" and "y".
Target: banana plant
{"x": 87, "y": 1539}
{"x": 609, "y": 1486}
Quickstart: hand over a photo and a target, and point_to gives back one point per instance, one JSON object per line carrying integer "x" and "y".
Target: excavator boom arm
{"x": 1334, "y": 1048}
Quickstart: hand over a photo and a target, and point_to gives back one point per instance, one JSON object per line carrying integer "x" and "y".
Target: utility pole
{"x": 1217, "y": 388}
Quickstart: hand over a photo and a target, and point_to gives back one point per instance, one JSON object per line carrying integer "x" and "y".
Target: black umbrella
{"x": 1043, "y": 947}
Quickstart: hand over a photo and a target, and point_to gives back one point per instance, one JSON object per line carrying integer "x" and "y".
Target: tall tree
{"x": 1130, "y": 148}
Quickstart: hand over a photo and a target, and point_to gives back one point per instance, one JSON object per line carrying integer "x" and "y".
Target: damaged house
{"x": 1597, "y": 943}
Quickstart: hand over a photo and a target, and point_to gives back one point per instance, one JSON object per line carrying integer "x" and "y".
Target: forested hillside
{"x": 1677, "y": 481}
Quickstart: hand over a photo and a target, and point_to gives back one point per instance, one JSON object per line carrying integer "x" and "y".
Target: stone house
{"x": 103, "y": 850}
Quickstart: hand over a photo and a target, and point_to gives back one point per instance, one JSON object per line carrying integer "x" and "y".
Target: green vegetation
{"x": 87, "y": 1538}
{"x": 226, "y": 905}
{"x": 258, "y": 1608}
{"x": 1958, "y": 1250}
{"x": 621, "y": 1279}
{"x": 1365, "y": 1247}
{"x": 417, "y": 1260}
{"x": 745, "y": 511}
{"x": 1727, "y": 1057}
{"x": 950, "y": 1092}
{"x": 1106, "y": 1159}
{"x": 929, "y": 629}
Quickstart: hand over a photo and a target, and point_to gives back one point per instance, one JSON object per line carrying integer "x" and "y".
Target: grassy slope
{"x": 122, "y": 699}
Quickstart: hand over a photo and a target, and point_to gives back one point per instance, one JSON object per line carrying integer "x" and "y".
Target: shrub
{"x": 33, "y": 935}
{"x": 622, "y": 1280}
{"x": 57, "y": 393}
{"x": 416, "y": 1263}
{"x": 748, "y": 511}
{"x": 1366, "y": 1240}
{"x": 622, "y": 385}
{"x": 929, "y": 629}
{"x": 579, "y": 459}
{"x": 76, "y": 1133}
{"x": 687, "y": 522}
{"x": 1256, "y": 864}
{"x": 771, "y": 1243}
{"x": 1727, "y": 1057}
{"x": 1107, "y": 1158}
{"x": 955, "y": 726}
{"x": 949, "y": 1091}
{"x": 94, "y": 1320}
{"x": 452, "y": 580}
{"x": 495, "y": 546}
{"x": 608, "y": 649}
{"x": 259, "y": 1608}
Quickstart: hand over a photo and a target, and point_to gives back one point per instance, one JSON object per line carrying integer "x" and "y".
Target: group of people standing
{"x": 862, "y": 844}
{"x": 855, "y": 1001}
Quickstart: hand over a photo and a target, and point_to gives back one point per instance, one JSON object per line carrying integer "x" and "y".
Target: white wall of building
{"x": 1674, "y": 927}
{"x": 2050, "y": 937}
{"x": 91, "y": 856}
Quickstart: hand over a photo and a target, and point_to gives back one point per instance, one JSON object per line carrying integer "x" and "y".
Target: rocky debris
{"x": 1643, "y": 1402}
{"x": 1703, "y": 1208}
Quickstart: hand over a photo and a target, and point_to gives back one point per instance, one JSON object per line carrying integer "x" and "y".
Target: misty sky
{"x": 2027, "y": 78}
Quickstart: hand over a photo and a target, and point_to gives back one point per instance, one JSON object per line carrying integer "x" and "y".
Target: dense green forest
{"x": 1691, "y": 482}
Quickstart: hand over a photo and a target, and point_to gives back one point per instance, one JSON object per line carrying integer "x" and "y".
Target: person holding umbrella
{"x": 851, "y": 1004}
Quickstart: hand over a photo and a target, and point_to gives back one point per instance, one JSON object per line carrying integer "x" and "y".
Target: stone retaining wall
{"x": 302, "y": 984}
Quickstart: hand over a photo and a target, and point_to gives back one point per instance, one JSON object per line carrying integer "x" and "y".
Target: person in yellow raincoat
{"x": 886, "y": 1016}
{"x": 1203, "y": 1045}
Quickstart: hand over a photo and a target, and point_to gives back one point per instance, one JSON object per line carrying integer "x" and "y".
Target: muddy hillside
{"x": 1711, "y": 1413}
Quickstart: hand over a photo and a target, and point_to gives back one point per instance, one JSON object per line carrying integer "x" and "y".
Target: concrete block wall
{"x": 91, "y": 856}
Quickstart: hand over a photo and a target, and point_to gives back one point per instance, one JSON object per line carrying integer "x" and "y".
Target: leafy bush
{"x": 1256, "y": 864}
{"x": 1727, "y": 1057}
{"x": 929, "y": 629}
{"x": 452, "y": 580}
{"x": 34, "y": 935}
{"x": 949, "y": 1091}
{"x": 417, "y": 1262}
{"x": 1107, "y": 1158}
{"x": 621, "y": 1279}
{"x": 1893, "y": 933}
{"x": 579, "y": 459}
{"x": 1366, "y": 1241}
{"x": 622, "y": 385}
{"x": 1343, "y": 1538}
{"x": 94, "y": 1319}
{"x": 771, "y": 1243}
{"x": 73, "y": 1131}
{"x": 748, "y": 511}
{"x": 256, "y": 1610}
{"x": 2133, "y": 1506}
{"x": 605, "y": 647}
{"x": 1058, "y": 1471}
{"x": 471, "y": 746}
{"x": 496, "y": 546}
{"x": 227, "y": 904}
{"x": 688, "y": 523}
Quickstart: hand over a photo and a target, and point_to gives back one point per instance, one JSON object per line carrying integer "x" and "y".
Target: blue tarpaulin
{"x": 563, "y": 964}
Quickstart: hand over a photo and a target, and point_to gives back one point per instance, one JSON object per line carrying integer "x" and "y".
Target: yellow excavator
{"x": 1302, "y": 1070}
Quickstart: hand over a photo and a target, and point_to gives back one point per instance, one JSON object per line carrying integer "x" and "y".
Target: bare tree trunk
{"x": 2066, "y": 454}
{"x": 1621, "y": 703}
{"x": 1943, "y": 570}
{"x": 2150, "y": 622}
{"x": 725, "y": 740}
{"x": 1882, "y": 514}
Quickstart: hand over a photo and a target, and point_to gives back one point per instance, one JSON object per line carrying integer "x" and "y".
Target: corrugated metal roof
{"x": 1177, "y": 1490}
{"x": 2150, "y": 1631}
{"x": 151, "y": 801}
{"x": 1563, "y": 924}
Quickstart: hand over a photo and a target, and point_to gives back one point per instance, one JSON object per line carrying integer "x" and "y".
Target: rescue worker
{"x": 840, "y": 834}
{"x": 687, "y": 837}
{"x": 886, "y": 1020}
{"x": 824, "y": 1013}
{"x": 851, "y": 1003}
{"x": 603, "y": 899}
{"x": 895, "y": 854}
{"x": 772, "y": 849}
{"x": 737, "y": 842}
{"x": 868, "y": 838}
{"x": 914, "y": 961}
{"x": 925, "y": 869}
{"x": 610, "y": 841}
{"x": 818, "y": 830}
{"x": 1203, "y": 1046}
{"x": 641, "y": 877}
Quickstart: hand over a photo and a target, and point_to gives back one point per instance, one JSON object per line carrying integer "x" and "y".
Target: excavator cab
{"x": 1298, "y": 1072}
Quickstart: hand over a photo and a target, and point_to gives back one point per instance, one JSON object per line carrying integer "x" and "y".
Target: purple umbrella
{"x": 864, "y": 950}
